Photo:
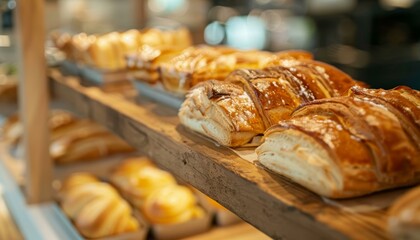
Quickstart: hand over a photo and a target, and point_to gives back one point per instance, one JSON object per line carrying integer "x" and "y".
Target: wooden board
{"x": 33, "y": 99}
{"x": 274, "y": 205}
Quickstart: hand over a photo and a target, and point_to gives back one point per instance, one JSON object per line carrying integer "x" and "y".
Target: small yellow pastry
{"x": 139, "y": 178}
{"x": 171, "y": 204}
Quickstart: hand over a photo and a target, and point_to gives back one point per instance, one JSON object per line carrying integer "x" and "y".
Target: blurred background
{"x": 374, "y": 41}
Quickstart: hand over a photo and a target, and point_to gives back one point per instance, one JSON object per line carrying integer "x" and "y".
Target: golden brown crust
{"x": 254, "y": 100}
{"x": 201, "y": 63}
{"x": 370, "y": 136}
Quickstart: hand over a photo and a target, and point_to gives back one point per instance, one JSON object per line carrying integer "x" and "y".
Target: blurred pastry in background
{"x": 72, "y": 139}
{"x": 138, "y": 178}
{"x": 13, "y": 128}
{"x": 96, "y": 208}
{"x": 172, "y": 204}
{"x": 107, "y": 51}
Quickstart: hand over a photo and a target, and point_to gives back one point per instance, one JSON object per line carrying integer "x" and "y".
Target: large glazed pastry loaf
{"x": 404, "y": 216}
{"x": 349, "y": 146}
{"x": 96, "y": 208}
{"x": 234, "y": 111}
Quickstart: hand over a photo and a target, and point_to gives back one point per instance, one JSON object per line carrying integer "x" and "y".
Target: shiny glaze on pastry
{"x": 247, "y": 102}
{"x": 349, "y": 146}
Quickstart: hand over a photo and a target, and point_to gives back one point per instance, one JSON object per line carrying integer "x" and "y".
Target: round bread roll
{"x": 171, "y": 204}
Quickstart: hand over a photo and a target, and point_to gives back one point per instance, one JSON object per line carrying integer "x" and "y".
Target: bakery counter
{"x": 271, "y": 203}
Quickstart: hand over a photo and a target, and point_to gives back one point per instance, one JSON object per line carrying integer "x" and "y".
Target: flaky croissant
{"x": 247, "y": 102}
{"x": 96, "y": 208}
{"x": 349, "y": 146}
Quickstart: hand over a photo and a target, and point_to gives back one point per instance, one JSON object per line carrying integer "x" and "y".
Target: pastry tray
{"x": 156, "y": 92}
{"x": 95, "y": 76}
{"x": 91, "y": 75}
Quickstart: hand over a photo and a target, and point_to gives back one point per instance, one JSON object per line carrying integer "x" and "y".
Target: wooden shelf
{"x": 274, "y": 205}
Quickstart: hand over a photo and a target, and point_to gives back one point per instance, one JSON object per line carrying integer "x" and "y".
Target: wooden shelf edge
{"x": 274, "y": 205}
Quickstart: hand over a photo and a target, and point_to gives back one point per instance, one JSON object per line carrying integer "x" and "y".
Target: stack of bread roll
{"x": 95, "y": 207}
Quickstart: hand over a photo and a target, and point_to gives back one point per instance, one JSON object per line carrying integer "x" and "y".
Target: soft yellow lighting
{"x": 397, "y": 3}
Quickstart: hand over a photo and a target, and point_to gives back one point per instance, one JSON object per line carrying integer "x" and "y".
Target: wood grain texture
{"x": 279, "y": 208}
{"x": 33, "y": 99}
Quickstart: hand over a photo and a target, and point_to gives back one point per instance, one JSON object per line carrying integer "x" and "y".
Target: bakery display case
{"x": 160, "y": 136}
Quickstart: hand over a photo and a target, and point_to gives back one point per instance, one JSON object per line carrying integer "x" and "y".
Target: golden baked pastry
{"x": 96, "y": 208}
{"x": 88, "y": 145}
{"x": 156, "y": 47}
{"x": 80, "y": 43}
{"x": 349, "y": 146}
{"x": 138, "y": 178}
{"x": 247, "y": 102}
{"x": 144, "y": 65}
{"x": 107, "y": 52}
{"x": 76, "y": 180}
{"x": 171, "y": 204}
{"x": 13, "y": 128}
{"x": 71, "y": 139}
{"x": 404, "y": 216}
{"x": 201, "y": 63}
